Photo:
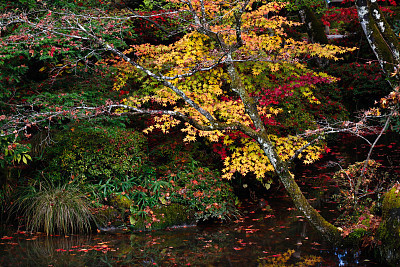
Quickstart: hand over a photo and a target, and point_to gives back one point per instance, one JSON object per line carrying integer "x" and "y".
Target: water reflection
{"x": 251, "y": 240}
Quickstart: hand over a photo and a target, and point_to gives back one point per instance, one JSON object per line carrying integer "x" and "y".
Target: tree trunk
{"x": 315, "y": 31}
{"x": 315, "y": 28}
{"x": 381, "y": 38}
{"x": 326, "y": 229}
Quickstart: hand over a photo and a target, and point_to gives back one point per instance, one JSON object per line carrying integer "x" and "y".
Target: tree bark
{"x": 381, "y": 38}
{"x": 315, "y": 31}
{"x": 315, "y": 28}
{"x": 326, "y": 229}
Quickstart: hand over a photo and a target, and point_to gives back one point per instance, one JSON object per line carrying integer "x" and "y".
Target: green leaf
{"x": 132, "y": 220}
{"x": 162, "y": 200}
{"x": 18, "y": 157}
{"x": 267, "y": 186}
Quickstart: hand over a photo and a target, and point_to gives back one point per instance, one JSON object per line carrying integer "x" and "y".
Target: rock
{"x": 112, "y": 230}
{"x": 389, "y": 229}
{"x": 164, "y": 216}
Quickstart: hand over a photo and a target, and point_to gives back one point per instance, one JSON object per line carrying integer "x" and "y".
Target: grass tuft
{"x": 54, "y": 208}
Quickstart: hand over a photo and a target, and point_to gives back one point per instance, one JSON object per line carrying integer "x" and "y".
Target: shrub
{"x": 95, "y": 153}
{"x": 200, "y": 190}
{"x": 357, "y": 192}
{"x": 54, "y": 208}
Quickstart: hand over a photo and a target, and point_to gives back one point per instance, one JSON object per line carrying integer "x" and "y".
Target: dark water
{"x": 258, "y": 237}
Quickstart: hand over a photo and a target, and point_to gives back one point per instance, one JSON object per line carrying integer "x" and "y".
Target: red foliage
{"x": 391, "y": 2}
{"x": 147, "y": 31}
{"x": 347, "y": 15}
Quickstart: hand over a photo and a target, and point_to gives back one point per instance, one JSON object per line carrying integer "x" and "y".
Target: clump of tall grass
{"x": 54, "y": 208}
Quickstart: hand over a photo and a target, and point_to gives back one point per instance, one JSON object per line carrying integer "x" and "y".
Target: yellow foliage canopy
{"x": 266, "y": 49}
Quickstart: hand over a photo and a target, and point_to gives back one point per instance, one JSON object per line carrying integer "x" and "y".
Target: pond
{"x": 260, "y": 236}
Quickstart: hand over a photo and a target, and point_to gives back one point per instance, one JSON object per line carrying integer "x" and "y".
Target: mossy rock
{"x": 353, "y": 240}
{"x": 391, "y": 201}
{"x": 389, "y": 229}
{"x": 163, "y": 217}
{"x": 121, "y": 202}
{"x": 108, "y": 216}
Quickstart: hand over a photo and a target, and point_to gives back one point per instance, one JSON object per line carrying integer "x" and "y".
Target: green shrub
{"x": 112, "y": 167}
{"x": 204, "y": 191}
{"x": 200, "y": 190}
{"x": 96, "y": 154}
{"x": 54, "y": 208}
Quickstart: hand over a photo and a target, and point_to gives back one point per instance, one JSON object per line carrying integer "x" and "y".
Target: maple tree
{"x": 222, "y": 71}
{"x": 232, "y": 78}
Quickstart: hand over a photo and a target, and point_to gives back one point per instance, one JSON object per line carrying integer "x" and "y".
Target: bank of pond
{"x": 272, "y": 235}
{"x": 128, "y": 201}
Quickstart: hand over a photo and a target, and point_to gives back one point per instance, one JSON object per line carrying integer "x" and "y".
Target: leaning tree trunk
{"x": 326, "y": 229}
{"x": 381, "y": 38}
